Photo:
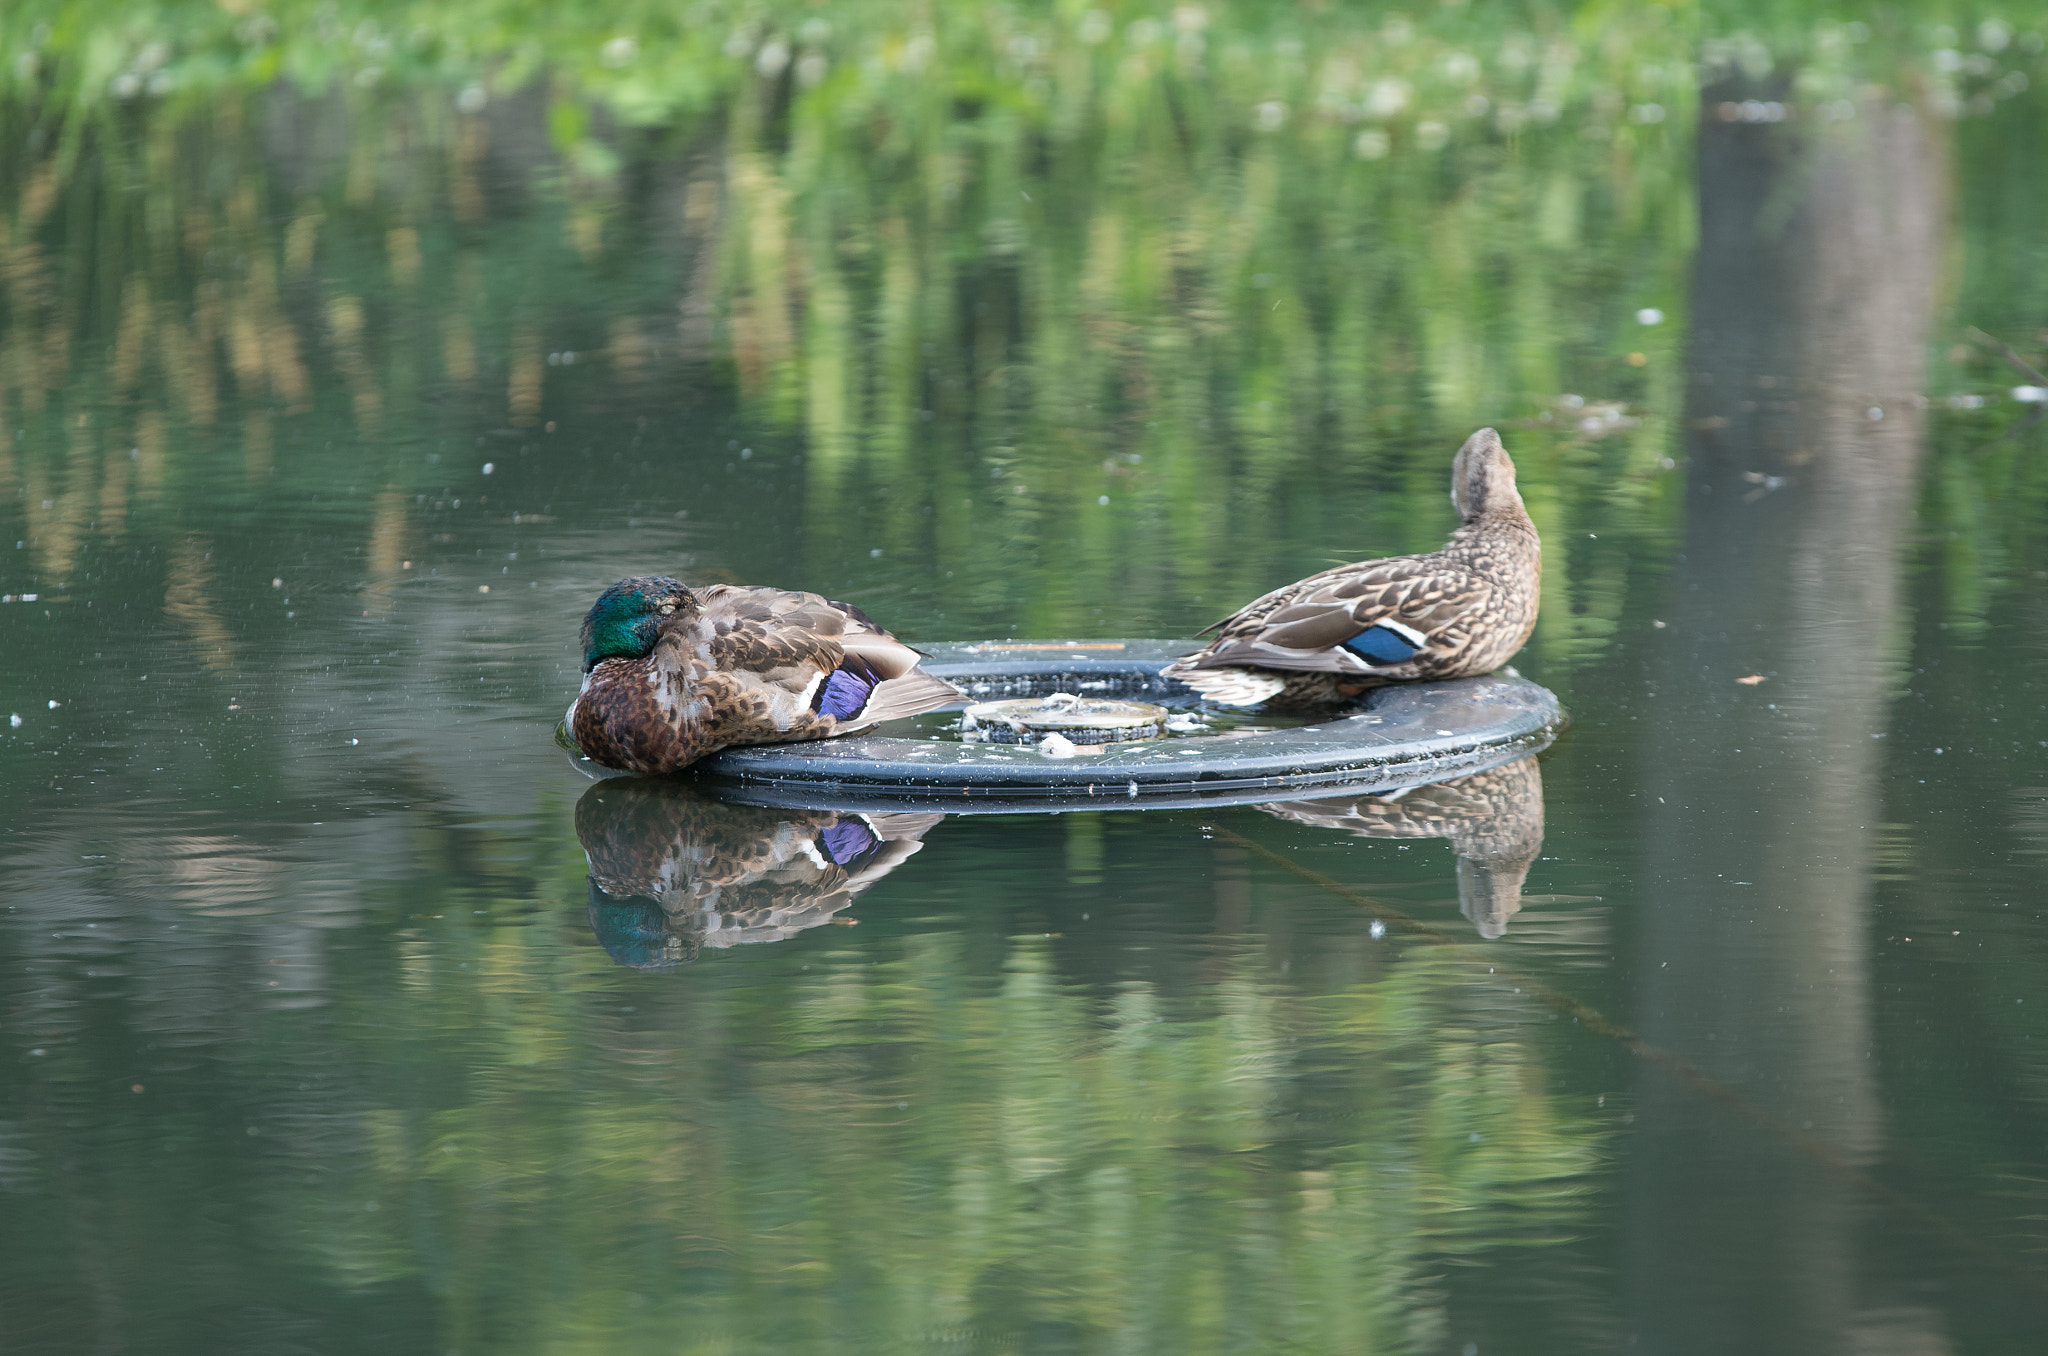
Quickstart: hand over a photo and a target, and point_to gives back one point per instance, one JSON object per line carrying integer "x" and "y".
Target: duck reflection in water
{"x": 1493, "y": 819}
{"x": 673, "y": 870}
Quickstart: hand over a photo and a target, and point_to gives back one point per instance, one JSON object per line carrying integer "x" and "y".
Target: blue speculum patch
{"x": 843, "y": 694}
{"x": 1380, "y": 646}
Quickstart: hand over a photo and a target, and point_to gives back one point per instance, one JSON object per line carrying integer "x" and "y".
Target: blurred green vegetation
{"x": 1113, "y": 317}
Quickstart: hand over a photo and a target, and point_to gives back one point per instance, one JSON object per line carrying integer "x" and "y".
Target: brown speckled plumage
{"x": 673, "y": 870}
{"x": 1470, "y": 605}
{"x": 1493, "y": 819}
{"x": 734, "y": 665}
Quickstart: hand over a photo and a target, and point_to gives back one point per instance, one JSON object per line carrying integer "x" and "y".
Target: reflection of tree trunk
{"x": 1813, "y": 297}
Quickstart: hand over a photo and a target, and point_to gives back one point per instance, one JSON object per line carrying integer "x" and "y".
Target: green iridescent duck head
{"x": 626, "y": 619}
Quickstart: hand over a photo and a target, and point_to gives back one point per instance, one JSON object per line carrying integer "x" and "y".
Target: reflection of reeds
{"x": 57, "y": 516}
{"x": 188, "y": 363}
{"x": 345, "y": 331}
{"x": 300, "y": 239}
{"x": 762, "y": 342}
{"x": 188, "y": 603}
{"x": 458, "y": 336}
{"x": 132, "y": 333}
{"x": 522, "y": 393}
{"x": 150, "y": 456}
{"x": 112, "y": 516}
{"x": 257, "y": 453}
{"x": 402, "y": 245}
{"x": 458, "y": 348}
{"x": 390, "y": 531}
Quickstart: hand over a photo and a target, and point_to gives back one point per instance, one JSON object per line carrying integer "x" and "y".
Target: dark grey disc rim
{"x": 1406, "y": 735}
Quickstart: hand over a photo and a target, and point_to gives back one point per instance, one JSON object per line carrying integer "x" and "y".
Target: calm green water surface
{"x": 325, "y": 418}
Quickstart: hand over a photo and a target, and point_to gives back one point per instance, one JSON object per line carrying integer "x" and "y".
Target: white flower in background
{"x": 1095, "y": 27}
{"x": 1649, "y": 315}
{"x": 1372, "y": 144}
{"x": 772, "y": 59}
{"x": 619, "y": 52}
{"x": 472, "y": 99}
{"x": 1431, "y": 136}
{"x": 1270, "y": 116}
{"x": 1386, "y": 98}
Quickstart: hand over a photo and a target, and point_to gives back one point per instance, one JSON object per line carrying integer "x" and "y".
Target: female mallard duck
{"x": 1458, "y": 611}
{"x": 671, "y": 674}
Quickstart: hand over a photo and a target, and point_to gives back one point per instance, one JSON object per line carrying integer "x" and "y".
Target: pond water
{"x": 338, "y": 1012}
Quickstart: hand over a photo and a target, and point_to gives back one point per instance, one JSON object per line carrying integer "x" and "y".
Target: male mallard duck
{"x": 673, "y": 871}
{"x": 671, "y": 674}
{"x": 1493, "y": 819}
{"x": 1458, "y": 611}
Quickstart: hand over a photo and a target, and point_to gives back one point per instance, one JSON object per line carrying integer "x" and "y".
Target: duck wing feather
{"x": 1301, "y": 627}
{"x": 787, "y": 639}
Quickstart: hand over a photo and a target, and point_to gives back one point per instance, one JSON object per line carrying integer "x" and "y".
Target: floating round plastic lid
{"x": 1408, "y": 734}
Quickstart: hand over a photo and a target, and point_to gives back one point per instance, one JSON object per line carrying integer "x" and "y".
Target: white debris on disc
{"x": 1056, "y": 746}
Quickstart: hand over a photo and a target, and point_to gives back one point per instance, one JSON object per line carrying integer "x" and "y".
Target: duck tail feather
{"x": 1228, "y": 686}
{"x": 911, "y": 695}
